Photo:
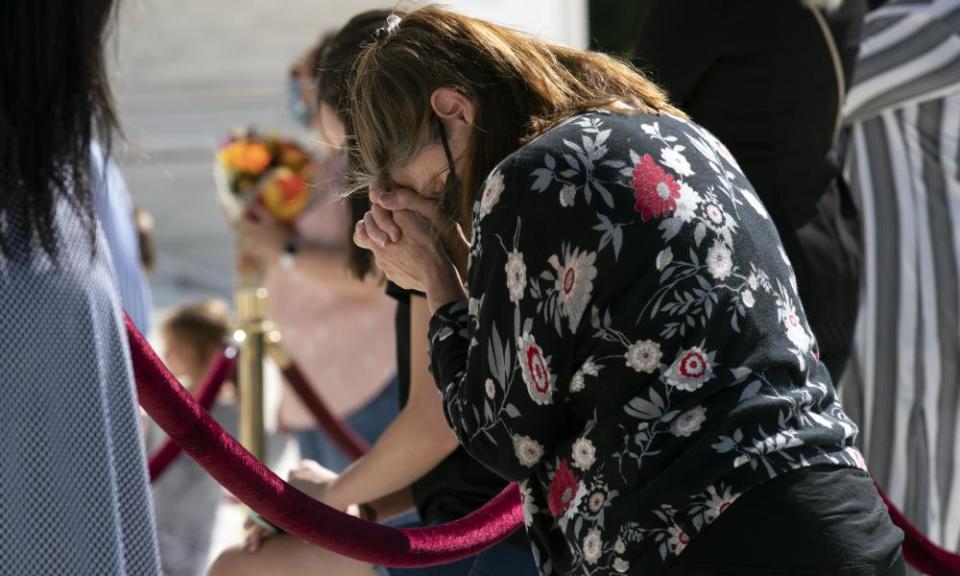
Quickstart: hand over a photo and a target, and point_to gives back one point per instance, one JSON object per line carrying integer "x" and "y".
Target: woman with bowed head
{"x": 416, "y": 464}
{"x": 622, "y": 336}
{"x": 74, "y": 497}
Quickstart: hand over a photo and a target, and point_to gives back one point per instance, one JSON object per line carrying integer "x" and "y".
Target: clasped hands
{"x": 415, "y": 244}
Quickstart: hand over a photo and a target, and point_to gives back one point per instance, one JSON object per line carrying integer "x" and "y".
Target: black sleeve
{"x": 678, "y": 42}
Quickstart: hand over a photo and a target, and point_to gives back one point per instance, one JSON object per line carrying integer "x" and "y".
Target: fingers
{"x": 254, "y": 539}
{"x": 257, "y": 213}
{"x": 397, "y": 199}
{"x": 374, "y": 231}
{"x": 384, "y": 220}
{"x": 361, "y": 238}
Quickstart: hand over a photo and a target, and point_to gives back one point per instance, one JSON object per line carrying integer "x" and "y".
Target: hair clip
{"x": 393, "y": 22}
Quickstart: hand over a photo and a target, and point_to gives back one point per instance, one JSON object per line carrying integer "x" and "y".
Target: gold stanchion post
{"x": 251, "y": 337}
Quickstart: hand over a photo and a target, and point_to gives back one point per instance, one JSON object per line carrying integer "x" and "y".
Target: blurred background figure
{"x": 904, "y": 384}
{"x": 186, "y": 498}
{"x": 768, "y": 79}
{"x": 326, "y": 314}
{"x": 73, "y": 485}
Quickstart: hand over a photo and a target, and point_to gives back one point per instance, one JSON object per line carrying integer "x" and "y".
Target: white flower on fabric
{"x": 717, "y": 503}
{"x": 690, "y": 370}
{"x": 574, "y": 283}
{"x": 619, "y": 546}
{"x": 567, "y": 195}
{"x": 596, "y": 501}
{"x": 528, "y": 451}
{"x": 490, "y": 388}
{"x": 719, "y": 261}
{"x": 748, "y": 299}
{"x": 753, "y": 281}
{"x": 688, "y": 422}
{"x": 717, "y": 219}
{"x": 621, "y": 565}
{"x": 687, "y": 203}
{"x": 796, "y": 330}
{"x": 678, "y": 540}
{"x": 516, "y": 276}
{"x": 530, "y": 507}
{"x": 584, "y": 454}
{"x": 592, "y": 546}
{"x": 491, "y": 193}
{"x": 644, "y": 356}
{"x": 715, "y": 214}
{"x": 574, "y": 507}
{"x": 672, "y": 157}
{"x": 578, "y": 382}
{"x": 535, "y": 370}
{"x": 664, "y": 258}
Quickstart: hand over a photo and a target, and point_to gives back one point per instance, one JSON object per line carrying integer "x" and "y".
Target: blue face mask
{"x": 298, "y": 108}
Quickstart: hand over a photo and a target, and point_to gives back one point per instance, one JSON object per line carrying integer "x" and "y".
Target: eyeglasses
{"x": 450, "y": 202}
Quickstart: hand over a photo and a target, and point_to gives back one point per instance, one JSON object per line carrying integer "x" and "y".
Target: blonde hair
{"x": 520, "y": 85}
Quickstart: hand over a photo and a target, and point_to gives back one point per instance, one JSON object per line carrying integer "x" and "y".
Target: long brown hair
{"x": 520, "y": 86}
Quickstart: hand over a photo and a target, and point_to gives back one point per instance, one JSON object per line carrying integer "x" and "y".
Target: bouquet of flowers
{"x": 270, "y": 170}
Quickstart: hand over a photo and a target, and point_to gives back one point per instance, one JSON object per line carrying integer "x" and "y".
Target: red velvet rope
{"x": 918, "y": 550}
{"x": 188, "y": 424}
{"x": 220, "y": 369}
{"x": 345, "y": 438}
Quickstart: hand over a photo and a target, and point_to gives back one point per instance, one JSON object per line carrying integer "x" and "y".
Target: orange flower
{"x": 245, "y": 156}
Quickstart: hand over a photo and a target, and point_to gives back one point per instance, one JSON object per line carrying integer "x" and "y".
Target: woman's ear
{"x": 452, "y": 106}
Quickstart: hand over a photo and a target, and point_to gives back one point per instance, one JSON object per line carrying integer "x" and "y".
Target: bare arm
{"x": 413, "y": 444}
{"x": 393, "y": 505}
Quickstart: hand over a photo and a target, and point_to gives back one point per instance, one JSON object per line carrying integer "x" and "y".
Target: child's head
{"x": 192, "y": 335}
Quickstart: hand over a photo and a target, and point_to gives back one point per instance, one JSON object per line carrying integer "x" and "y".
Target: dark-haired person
{"x": 625, "y": 339}
{"x": 416, "y": 463}
{"x": 73, "y": 483}
{"x": 324, "y": 311}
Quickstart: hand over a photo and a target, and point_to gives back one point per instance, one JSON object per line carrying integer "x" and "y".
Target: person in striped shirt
{"x": 903, "y": 386}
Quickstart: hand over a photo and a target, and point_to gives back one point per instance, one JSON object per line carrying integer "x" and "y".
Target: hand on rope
{"x": 308, "y": 477}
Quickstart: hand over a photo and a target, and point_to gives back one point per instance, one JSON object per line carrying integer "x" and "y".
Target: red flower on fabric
{"x": 693, "y": 364}
{"x": 563, "y": 489}
{"x": 654, "y": 189}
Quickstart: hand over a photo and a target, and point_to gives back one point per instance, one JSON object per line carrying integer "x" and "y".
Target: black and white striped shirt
{"x": 904, "y": 384}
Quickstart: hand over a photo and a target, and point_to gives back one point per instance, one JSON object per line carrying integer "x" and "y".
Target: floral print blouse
{"x": 633, "y": 351}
